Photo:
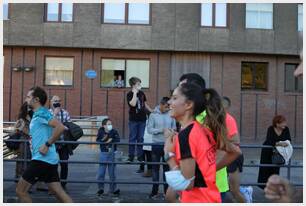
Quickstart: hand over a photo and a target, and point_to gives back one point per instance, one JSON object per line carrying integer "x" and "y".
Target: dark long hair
{"x": 209, "y": 100}
{"x": 215, "y": 117}
{"x": 23, "y": 111}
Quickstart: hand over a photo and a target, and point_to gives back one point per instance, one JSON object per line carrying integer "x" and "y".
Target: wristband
{"x": 168, "y": 155}
{"x": 47, "y": 144}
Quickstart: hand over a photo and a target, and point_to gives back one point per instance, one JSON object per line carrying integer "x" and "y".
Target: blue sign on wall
{"x": 91, "y": 74}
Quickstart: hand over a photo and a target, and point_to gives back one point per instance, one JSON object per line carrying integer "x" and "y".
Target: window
{"x": 292, "y": 83}
{"x": 120, "y": 13}
{"x": 117, "y": 72}
{"x": 114, "y": 13}
{"x": 59, "y": 12}
{"x": 300, "y": 17}
{"x": 254, "y": 76}
{"x": 139, "y": 13}
{"x": 59, "y": 71}
{"x": 214, "y": 14}
{"x": 259, "y": 16}
{"x": 5, "y": 11}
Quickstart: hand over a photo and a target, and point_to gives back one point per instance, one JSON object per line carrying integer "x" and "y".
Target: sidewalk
{"x": 133, "y": 193}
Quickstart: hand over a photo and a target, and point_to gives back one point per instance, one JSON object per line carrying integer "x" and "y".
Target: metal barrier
{"x": 289, "y": 166}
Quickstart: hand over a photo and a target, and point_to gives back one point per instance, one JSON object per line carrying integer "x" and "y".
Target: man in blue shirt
{"x": 44, "y": 131}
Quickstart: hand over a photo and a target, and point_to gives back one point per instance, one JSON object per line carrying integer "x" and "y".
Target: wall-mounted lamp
{"x": 26, "y": 69}
{"x": 17, "y": 69}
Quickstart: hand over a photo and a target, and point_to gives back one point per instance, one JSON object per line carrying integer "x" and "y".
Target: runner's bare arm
{"x": 57, "y": 131}
{"x": 232, "y": 152}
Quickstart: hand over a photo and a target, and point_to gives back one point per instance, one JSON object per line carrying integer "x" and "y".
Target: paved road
{"x": 129, "y": 192}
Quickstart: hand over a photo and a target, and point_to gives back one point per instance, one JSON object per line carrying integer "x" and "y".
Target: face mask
{"x": 176, "y": 180}
{"x": 109, "y": 127}
{"x": 56, "y": 105}
{"x": 139, "y": 87}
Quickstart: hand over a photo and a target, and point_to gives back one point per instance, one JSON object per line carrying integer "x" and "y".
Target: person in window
{"x": 136, "y": 100}
{"x": 107, "y": 135}
{"x": 191, "y": 154}
{"x": 276, "y": 133}
{"x": 63, "y": 150}
{"x": 119, "y": 82}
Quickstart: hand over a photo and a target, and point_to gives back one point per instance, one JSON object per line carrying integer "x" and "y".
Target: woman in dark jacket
{"x": 277, "y": 132}
{"x": 108, "y": 136}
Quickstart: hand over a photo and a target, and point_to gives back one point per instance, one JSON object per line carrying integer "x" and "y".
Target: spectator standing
{"x": 159, "y": 120}
{"x": 108, "y": 136}
{"x": 277, "y": 132}
{"x": 137, "y": 119}
{"x": 63, "y": 150}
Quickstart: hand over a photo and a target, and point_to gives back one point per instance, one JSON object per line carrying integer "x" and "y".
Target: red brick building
{"x": 253, "y": 67}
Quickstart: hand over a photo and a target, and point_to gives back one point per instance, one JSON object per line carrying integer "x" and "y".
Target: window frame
{"x": 126, "y": 86}
{"x": 296, "y": 90}
{"x": 126, "y": 16}
{"x": 297, "y": 25}
{"x": 44, "y": 72}
{"x": 273, "y": 20}
{"x": 59, "y": 19}
{"x": 253, "y": 74}
{"x": 214, "y": 17}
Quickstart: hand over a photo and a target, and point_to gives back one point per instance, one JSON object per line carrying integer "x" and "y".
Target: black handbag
{"x": 13, "y": 145}
{"x": 277, "y": 158}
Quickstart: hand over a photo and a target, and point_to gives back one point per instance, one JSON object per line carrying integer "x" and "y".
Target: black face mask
{"x": 56, "y": 105}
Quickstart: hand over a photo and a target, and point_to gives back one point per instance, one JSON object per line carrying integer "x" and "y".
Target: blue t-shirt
{"x": 41, "y": 131}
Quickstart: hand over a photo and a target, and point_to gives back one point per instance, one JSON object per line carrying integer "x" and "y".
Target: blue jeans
{"x": 158, "y": 156}
{"x": 107, "y": 156}
{"x": 136, "y": 136}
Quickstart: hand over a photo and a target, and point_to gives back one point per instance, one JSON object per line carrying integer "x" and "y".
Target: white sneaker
{"x": 247, "y": 193}
{"x": 250, "y": 193}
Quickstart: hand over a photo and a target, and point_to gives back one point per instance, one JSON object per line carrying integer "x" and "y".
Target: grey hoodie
{"x": 157, "y": 123}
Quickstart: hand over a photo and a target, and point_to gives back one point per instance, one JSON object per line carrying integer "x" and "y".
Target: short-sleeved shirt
{"x": 221, "y": 176}
{"x": 197, "y": 142}
{"x": 41, "y": 131}
{"x": 138, "y": 112}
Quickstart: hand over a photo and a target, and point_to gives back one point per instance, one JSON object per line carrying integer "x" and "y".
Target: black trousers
{"x": 147, "y": 156}
{"x": 63, "y": 153}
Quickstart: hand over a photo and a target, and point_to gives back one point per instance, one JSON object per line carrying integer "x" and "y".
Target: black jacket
{"x": 113, "y": 134}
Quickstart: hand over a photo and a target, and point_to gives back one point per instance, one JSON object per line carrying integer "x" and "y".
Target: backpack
{"x": 73, "y": 133}
{"x": 13, "y": 145}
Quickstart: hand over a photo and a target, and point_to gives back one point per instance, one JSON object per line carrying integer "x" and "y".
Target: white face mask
{"x": 109, "y": 127}
{"x": 177, "y": 181}
{"x": 139, "y": 87}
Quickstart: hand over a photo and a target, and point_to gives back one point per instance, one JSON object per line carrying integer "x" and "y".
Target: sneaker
{"x": 140, "y": 159}
{"x": 129, "y": 160}
{"x": 139, "y": 171}
{"x": 116, "y": 192}
{"x": 50, "y": 192}
{"x": 148, "y": 173}
{"x": 153, "y": 196}
{"x": 100, "y": 192}
{"x": 246, "y": 194}
{"x": 250, "y": 193}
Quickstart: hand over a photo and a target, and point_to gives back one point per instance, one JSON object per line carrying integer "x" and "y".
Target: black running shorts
{"x": 41, "y": 171}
